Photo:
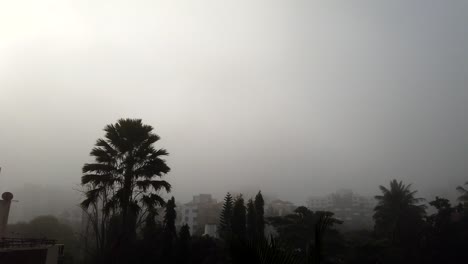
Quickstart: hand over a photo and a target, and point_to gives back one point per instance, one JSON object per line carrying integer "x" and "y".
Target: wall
{"x": 4, "y": 212}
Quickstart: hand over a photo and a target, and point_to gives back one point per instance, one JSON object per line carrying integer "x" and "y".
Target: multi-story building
{"x": 201, "y": 215}
{"x": 279, "y": 208}
{"x": 354, "y": 210}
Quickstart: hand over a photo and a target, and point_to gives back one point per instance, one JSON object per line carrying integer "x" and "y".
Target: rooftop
{"x": 8, "y": 243}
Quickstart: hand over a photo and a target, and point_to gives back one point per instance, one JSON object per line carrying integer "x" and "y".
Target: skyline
{"x": 293, "y": 98}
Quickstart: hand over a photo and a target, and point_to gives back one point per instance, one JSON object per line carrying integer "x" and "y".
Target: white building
{"x": 201, "y": 215}
{"x": 211, "y": 230}
{"x": 355, "y": 210}
{"x": 279, "y": 208}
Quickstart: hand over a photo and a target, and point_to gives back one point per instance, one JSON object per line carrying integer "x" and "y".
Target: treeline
{"x": 122, "y": 189}
{"x": 240, "y": 220}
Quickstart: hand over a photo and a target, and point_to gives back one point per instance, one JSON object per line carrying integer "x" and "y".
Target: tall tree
{"x": 304, "y": 231}
{"x": 169, "y": 233}
{"x": 260, "y": 212}
{"x": 123, "y": 180}
{"x": 299, "y": 228}
{"x": 183, "y": 245}
{"x": 398, "y": 214}
{"x": 251, "y": 220}
{"x": 445, "y": 234}
{"x": 150, "y": 227}
{"x": 170, "y": 217}
{"x": 239, "y": 218}
{"x": 463, "y": 195}
{"x": 226, "y": 216}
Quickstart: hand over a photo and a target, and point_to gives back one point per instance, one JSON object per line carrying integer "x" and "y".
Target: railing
{"x": 25, "y": 242}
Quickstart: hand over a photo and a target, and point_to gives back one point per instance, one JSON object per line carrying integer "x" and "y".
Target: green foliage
{"x": 225, "y": 226}
{"x": 170, "y": 217}
{"x": 169, "y": 233}
{"x": 122, "y": 187}
{"x": 262, "y": 251}
{"x": 251, "y": 220}
{"x": 184, "y": 233}
{"x": 183, "y": 245}
{"x": 298, "y": 229}
{"x": 324, "y": 222}
{"x": 398, "y": 215}
{"x": 49, "y": 227}
{"x": 125, "y": 168}
{"x": 463, "y": 195}
{"x": 260, "y": 214}
{"x": 445, "y": 234}
{"x": 239, "y": 218}
{"x": 305, "y": 232}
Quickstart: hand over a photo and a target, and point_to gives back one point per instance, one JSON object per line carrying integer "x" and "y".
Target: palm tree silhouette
{"x": 397, "y": 209}
{"x": 126, "y": 171}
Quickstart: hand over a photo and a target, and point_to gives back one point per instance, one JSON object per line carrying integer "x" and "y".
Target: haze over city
{"x": 296, "y": 98}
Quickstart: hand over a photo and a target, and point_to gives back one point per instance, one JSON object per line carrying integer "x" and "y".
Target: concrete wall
{"x": 24, "y": 256}
{"x": 32, "y": 255}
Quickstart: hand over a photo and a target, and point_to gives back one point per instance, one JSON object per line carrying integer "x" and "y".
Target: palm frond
{"x": 92, "y": 196}
{"x": 157, "y": 185}
{"x": 99, "y": 168}
{"x": 97, "y": 178}
{"x": 152, "y": 200}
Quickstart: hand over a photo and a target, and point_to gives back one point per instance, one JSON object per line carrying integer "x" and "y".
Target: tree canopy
{"x": 398, "y": 214}
{"x": 123, "y": 184}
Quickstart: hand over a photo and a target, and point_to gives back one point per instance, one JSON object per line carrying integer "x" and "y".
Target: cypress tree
{"x": 225, "y": 226}
{"x": 251, "y": 219}
{"x": 260, "y": 212}
{"x": 169, "y": 234}
{"x": 239, "y": 218}
{"x": 170, "y": 217}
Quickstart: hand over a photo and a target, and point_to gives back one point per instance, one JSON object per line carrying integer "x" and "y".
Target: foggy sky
{"x": 297, "y": 98}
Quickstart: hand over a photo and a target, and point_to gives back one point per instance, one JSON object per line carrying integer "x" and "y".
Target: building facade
{"x": 279, "y": 208}
{"x": 201, "y": 215}
{"x": 354, "y": 210}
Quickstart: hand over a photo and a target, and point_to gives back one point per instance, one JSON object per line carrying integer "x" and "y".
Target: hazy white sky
{"x": 297, "y": 98}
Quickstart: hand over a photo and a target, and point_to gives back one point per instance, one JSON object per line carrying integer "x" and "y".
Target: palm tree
{"x": 463, "y": 195}
{"x": 398, "y": 213}
{"x": 124, "y": 177}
